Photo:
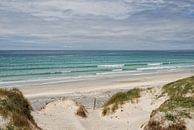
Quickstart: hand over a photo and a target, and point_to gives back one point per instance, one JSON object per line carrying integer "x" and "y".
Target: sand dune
{"x": 61, "y": 115}
{"x": 56, "y": 104}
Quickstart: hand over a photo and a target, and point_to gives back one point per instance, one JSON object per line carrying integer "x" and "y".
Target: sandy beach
{"x": 96, "y": 65}
{"x": 86, "y": 90}
{"x": 55, "y": 103}
{"x": 60, "y": 87}
{"x": 93, "y": 85}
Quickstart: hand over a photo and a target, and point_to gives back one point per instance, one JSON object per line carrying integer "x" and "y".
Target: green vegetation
{"x": 169, "y": 116}
{"x": 120, "y": 98}
{"x": 179, "y": 106}
{"x": 15, "y": 108}
{"x": 180, "y": 87}
{"x": 155, "y": 125}
{"x": 177, "y": 102}
{"x": 181, "y": 97}
{"x": 171, "y": 112}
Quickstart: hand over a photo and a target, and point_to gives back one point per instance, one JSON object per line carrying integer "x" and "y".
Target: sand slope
{"x": 60, "y": 115}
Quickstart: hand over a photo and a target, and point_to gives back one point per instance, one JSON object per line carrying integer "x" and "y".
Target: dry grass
{"x": 120, "y": 98}
{"x": 154, "y": 125}
{"x": 179, "y": 88}
{"x": 81, "y": 111}
{"x": 173, "y": 111}
{"x": 17, "y": 109}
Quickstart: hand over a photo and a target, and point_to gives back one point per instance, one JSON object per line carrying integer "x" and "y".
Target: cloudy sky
{"x": 97, "y": 24}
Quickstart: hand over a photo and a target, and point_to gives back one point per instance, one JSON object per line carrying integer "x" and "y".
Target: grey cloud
{"x": 83, "y": 23}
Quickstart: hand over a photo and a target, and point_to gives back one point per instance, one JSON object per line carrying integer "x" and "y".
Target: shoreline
{"x": 55, "y": 106}
{"x": 38, "y": 90}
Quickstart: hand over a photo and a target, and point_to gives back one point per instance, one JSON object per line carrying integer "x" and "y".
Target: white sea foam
{"x": 154, "y": 64}
{"x": 49, "y": 80}
{"x": 157, "y": 68}
{"x": 117, "y": 70}
{"x": 111, "y": 66}
{"x": 66, "y": 71}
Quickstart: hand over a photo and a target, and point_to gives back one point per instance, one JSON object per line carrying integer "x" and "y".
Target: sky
{"x": 96, "y": 24}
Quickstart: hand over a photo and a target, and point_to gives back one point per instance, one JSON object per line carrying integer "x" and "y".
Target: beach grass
{"x": 171, "y": 114}
{"x": 15, "y": 108}
{"x": 180, "y": 88}
{"x": 180, "y": 106}
{"x": 120, "y": 98}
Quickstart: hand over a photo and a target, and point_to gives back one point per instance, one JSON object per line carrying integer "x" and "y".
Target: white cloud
{"x": 80, "y": 21}
{"x": 68, "y": 8}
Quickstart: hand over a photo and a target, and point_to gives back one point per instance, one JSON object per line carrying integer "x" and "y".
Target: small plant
{"x": 169, "y": 116}
{"x": 82, "y": 112}
{"x": 117, "y": 98}
{"x": 120, "y": 98}
{"x": 105, "y": 111}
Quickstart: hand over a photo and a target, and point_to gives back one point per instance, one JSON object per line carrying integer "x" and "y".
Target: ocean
{"x": 23, "y": 66}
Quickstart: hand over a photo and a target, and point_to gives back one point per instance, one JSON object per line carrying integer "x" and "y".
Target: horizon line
{"x": 96, "y": 50}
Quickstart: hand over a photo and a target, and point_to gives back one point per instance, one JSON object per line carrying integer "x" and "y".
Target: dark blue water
{"x": 41, "y": 65}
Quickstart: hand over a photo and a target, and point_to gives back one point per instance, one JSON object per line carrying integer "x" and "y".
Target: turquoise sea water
{"x": 40, "y": 65}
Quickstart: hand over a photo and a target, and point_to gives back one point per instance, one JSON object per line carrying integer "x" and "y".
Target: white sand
{"x": 60, "y": 114}
{"x": 37, "y": 89}
{"x": 129, "y": 117}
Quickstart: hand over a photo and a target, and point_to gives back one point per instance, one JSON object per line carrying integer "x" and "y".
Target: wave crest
{"x": 154, "y": 64}
{"x": 111, "y": 66}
